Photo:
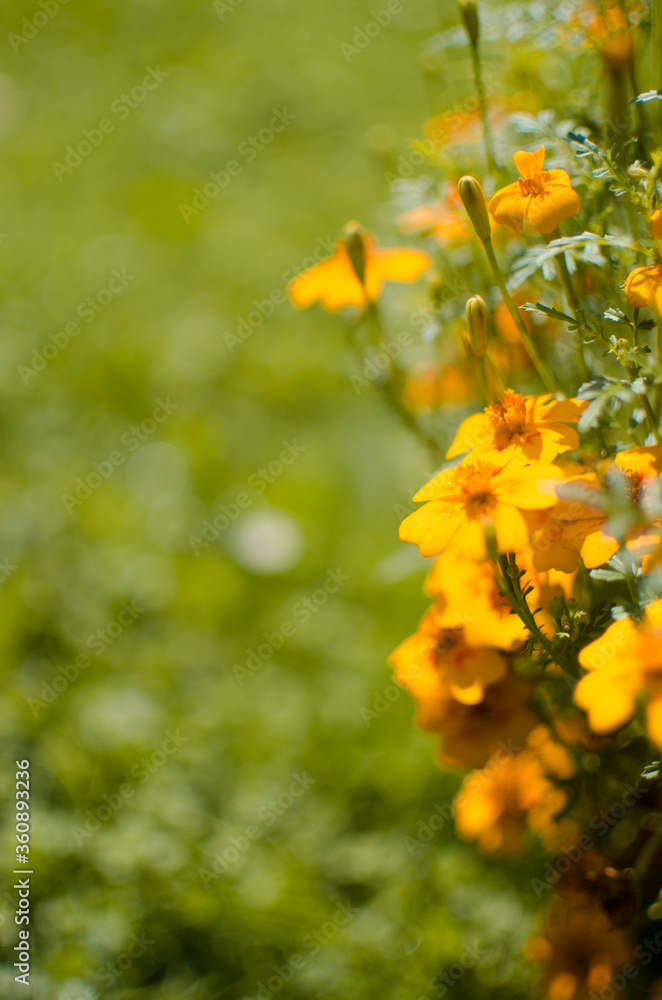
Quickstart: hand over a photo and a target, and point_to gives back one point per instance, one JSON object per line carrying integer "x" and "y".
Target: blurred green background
{"x": 139, "y": 534}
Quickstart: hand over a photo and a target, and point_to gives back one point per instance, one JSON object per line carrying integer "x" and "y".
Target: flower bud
{"x": 469, "y": 14}
{"x": 354, "y": 236}
{"x": 473, "y": 199}
{"x": 477, "y": 323}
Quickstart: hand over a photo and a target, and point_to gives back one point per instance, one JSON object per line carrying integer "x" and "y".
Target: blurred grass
{"x": 162, "y": 338}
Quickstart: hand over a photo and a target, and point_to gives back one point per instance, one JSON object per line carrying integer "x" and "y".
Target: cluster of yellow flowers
{"x": 538, "y": 664}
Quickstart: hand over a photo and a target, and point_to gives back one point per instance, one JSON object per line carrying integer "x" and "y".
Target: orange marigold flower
{"x": 438, "y": 657}
{"x": 428, "y": 387}
{"x": 580, "y": 953}
{"x": 533, "y": 428}
{"x": 354, "y": 275}
{"x": 462, "y": 501}
{"x": 495, "y": 806}
{"x": 624, "y": 662}
{"x": 444, "y": 219}
{"x": 544, "y": 197}
{"x": 610, "y": 33}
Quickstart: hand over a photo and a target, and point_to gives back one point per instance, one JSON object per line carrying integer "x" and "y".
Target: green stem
{"x": 647, "y": 856}
{"x": 573, "y": 301}
{"x": 511, "y": 585}
{"x": 392, "y": 388}
{"x": 657, "y": 395}
{"x": 482, "y": 105}
{"x": 656, "y": 53}
{"x": 531, "y": 348}
{"x": 650, "y": 416}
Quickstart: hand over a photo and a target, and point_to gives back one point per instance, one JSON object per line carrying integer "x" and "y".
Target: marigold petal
{"x": 474, "y": 432}
{"x": 332, "y": 282}
{"x": 654, "y": 719}
{"x": 508, "y": 207}
{"x": 556, "y": 203}
{"x": 511, "y": 529}
{"x": 469, "y": 540}
{"x": 643, "y": 286}
{"x": 398, "y": 264}
{"x": 530, "y": 164}
{"x": 609, "y": 698}
{"x": 432, "y": 527}
{"x": 598, "y": 548}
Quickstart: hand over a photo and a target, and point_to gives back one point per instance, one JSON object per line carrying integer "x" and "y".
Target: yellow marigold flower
{"x": 463, "y": 500}
{"x": 544, "y": 197}
{"x": 580, "y": 953}
{"x": 585, "y": 520}
{"x": 624, "y": 662}
{"x": 497, "y": 805}
{"x": 467, "y": 594}
{"x": 471, "y": 733}
{"x": 533, "y": 428}
{"x": 354, "y": 275}
{"x": 643, "y": 287}
{"x": 437, "y": 656}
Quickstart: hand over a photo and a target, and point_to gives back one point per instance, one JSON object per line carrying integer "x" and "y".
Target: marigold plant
{"x": 534, "y": 386}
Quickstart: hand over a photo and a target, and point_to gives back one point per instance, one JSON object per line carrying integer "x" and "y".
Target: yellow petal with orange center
{"x": 558, "y": 201}
{"x": 508, "y": 207}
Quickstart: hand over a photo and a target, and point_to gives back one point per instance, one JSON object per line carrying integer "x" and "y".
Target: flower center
{"x": 447, "y": 639}
{"x": 532, "y": 185}
{"x": 475, "y": 484}
{"x": 508, "y": 416}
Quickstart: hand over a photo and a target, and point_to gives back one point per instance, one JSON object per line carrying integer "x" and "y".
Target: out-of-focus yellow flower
{"x": 579, "y": 952}
{"x": 438, "y": 658}
{"x": 354, "y": 275}
{"x": 624, "y": 662}
{"x": 444, "y": 219}
{"x": 429, "y": 387}
{"x": 463, "y": 500}
{"x": 585, "y": 521}
{"x": 544, "y": 197}
{"x": 498, "y": 804}
{"x": 467, "y": 594}
{"x": 471, "y": 733}
{"x": 532, "y": 428}
{"x": 643, "y": 286}
{"x": 610, "y": 33}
